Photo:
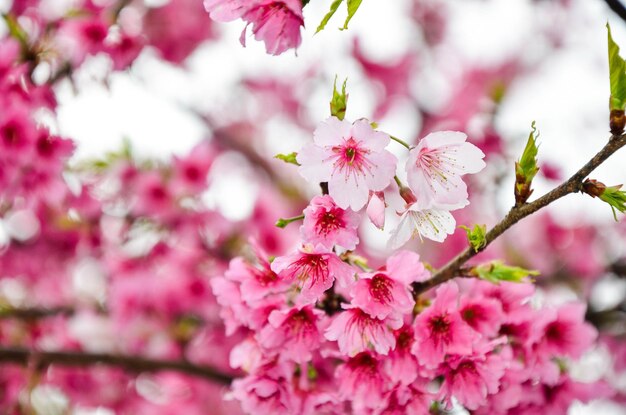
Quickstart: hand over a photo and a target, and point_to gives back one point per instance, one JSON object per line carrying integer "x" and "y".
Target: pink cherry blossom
{"x": 413, "y": 399}
{"x": 312, "y": 273}
{"x": 435, "y": 166}
{"x": 293, "y": 334}
{"x": 387, "y": 292}
{"x": 351, "y": 158}
{"x": 440, "y": 330}
{"x": 565, "y": 332}
{"x": 401, "y": 366}
{"x": 483, "y": 314}
{"x": 356, "y": 331}
{"x": 190, "y": 172}
{"x": 328, "y": 225}
{"x": 362, "y": 381}
{"x": 471, "y": 378}
{"x": 275, "y": 22}
{"x": 268, "y": 391}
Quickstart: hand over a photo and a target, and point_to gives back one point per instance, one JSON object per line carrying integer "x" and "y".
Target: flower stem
{"x": 397, "y": 140}
{"x": 282, "y": 222}
{"x": 398, "y": 182}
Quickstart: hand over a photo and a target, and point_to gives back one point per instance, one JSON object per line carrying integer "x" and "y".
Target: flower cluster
{"x": 324, "y": 332}
{"x": 353, "y": 160}
{"x": 323, "y": 336}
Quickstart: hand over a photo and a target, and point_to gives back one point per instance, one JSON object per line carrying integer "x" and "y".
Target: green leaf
{"x": 333, "y": 8}
{"x": 496, "y": 271}
{"x": 339, "y": 103}
{"x": 476, "y": 236}
{"x": 616, "y": 198}
{"x": 288, "y": 158}
{"x": 527, "y": 164}
{"x": 353, "y": 6}
{"x": 617, "y": 74}
{"x": 526, "y": 168}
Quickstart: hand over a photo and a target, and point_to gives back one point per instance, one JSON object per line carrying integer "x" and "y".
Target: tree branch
{"x": 132, "y": 363}
{"x": 35, "y": 313}
{"x": 517, "y": 213}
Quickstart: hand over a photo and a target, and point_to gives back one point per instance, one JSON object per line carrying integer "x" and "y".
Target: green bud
{"x": 616, "y": 198}
{"x": 288, "y": 158}
{"x": 476, "y": 236}
{"x": 617, "y": 74}
{"x": 526, "y": 168}
{"x": 339, "y": 103}
{"x": 496, "y": 271}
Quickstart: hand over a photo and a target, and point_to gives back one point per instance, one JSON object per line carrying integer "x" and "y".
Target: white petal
{"x": 433, "y": 224}
{"x": 384, "y": 171}
{"x": 348, "y": 193}
{"x": 374, "y": 140}
{"x": 469, "y": 159}
{"x": 402, "y": 233}
{"x": 331, "y": 132}
{"x": 313, "y": 168}
{"x": 442, "y": 138}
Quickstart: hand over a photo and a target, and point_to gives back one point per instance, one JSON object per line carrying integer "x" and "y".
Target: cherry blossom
{"x": 312, "y": 273}
{"x": 386, "y": 292}
{"x": 440, "y": 330}
{"x": 435, "y": 166}
{"x": 351, "y": 158}
{"x": 276, "y": 22}
{"x": 328, "y": 225}
{"x": 432, "y": 224}
{"x": 356, "y": 331}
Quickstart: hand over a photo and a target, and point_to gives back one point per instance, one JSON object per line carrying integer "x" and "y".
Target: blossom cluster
{"x": 132, "y": 257}
{"x": 327, "y": 334}
{"x": 326, "y": 337}
{"x": 353, "y": 160}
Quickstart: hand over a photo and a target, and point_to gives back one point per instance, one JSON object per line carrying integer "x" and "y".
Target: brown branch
{"x": 132, "y": 363}
{"x": 35, "y": 313}
{"x": 517, "y": 213}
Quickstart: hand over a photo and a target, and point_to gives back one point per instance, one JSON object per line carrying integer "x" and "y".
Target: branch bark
{"x": 517, "y": 213}
{"x": 138, "y": 364}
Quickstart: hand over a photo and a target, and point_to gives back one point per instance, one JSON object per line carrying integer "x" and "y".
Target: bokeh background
{"x": 487, "y": 67}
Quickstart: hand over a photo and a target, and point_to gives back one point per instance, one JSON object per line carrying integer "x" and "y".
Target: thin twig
{"x": 573, "y": 185}
{"x": 132, "y": 363}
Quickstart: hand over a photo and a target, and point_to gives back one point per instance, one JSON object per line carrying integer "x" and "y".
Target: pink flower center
{"x": 380, "y": 289}
{"x": 300, "y": 323}
{"x": 265, "y": 277}
{"x": 467, "y": 367}
{"x": 440, "y": 325}
{"x": 351, "y": 159}
{"x": 192, "y": 173}
{"x": 329, "y": 221}
{"x": 11, "y": 134}
{"x": 364, "y": 363}
{"x": 312, "y": 268}
{"x": 472, "y": 314}
{"x": 404, "y": 340}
